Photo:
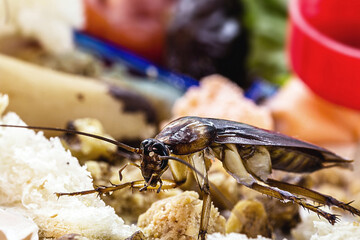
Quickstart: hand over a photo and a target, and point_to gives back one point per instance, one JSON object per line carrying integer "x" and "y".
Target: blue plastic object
{"x": 130, "y": 60}
{"x": 260, "y": 90}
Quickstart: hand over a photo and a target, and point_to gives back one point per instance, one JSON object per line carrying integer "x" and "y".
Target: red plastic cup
{"x": 324, "y": 48}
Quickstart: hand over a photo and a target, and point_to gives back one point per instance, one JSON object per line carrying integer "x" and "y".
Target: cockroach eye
{"x": 160, "y": 149}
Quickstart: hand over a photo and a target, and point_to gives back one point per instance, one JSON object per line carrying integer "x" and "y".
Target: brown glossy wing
{"x": 286, "y": 153}
{"x": 187, "y": 135}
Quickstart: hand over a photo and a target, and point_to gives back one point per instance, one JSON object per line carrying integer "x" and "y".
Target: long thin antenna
{"x": 117, "y": 143}
{"x": 183, "y": 162}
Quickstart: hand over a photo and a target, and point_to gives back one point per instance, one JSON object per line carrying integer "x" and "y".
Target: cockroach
{"x": 247, "y": 153}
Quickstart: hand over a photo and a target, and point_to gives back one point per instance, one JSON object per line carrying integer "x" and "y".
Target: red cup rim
{"x": 317, "y": 35}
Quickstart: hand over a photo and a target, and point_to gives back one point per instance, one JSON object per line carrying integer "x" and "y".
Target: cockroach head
{"x": 152, "y": 166}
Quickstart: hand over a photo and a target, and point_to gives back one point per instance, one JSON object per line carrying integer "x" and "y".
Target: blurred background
{"x": 157, "y": 53}
{"x": 291, "y": 66}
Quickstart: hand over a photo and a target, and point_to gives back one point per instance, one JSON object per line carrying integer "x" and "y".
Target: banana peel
{"x": 44, "y": 97}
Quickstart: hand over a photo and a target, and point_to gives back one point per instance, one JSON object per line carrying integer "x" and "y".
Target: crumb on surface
{"x": 178, "y": 218}
{"x": 33, "y": 168}
{"x": 313, "y": 228}
{"x": 234, "y": 236}
{"x": 249, "y": 217}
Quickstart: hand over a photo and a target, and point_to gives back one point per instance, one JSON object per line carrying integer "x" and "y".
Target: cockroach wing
{"x": 287, "y": 153}
{"x": 187, "y": 135}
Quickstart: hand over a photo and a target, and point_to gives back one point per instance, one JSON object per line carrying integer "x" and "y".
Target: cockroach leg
{"x": 205, "y": 211}
{"x": 198, "y": 162}
{"x": 165, "y": 184}
{"x": 285, "y": 195}
{"x": 160, "y": 186}
{"x": 147, "y": 184}
{"x": 103, "y": 189}
{"x": 315, "y": 196}
{"x": 122, "y": 169}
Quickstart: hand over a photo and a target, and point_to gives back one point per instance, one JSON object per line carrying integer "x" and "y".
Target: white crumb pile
{"x": 342, "y": 231}
{"x": 233, "y": 236}
{"x": 33, "y": 168}
{"x": 11, "y": 222}
{"x": 50, "y": 22}
{"x": 313, "y": 228}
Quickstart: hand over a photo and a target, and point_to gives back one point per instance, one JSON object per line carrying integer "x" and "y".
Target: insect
{"x": 247, "y": 153}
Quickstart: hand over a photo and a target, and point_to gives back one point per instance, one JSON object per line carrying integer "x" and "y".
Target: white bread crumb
{"x": 233, "y": 236}
{"x": 16, "y": 226}
{"x": 50, "y": 22}
{"x": 340, "y": 231}
{"x": 178, "y": 217}
{"x": 33, "y": 168}
{"x": 314, "y": 228}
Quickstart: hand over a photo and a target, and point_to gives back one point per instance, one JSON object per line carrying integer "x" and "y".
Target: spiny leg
{"x": 284, "y": 195}
{"x": 198, "y": 161}
{"x": 316, "y": 196}
{"x": 123, "y": 167}
{"x": 165, "y": 184}
{"x": 205, "y": 211}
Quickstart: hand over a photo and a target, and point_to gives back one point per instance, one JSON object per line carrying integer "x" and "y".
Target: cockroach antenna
{"x": 117, "y": 143}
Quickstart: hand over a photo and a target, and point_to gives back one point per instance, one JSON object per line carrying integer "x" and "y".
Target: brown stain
{"x": 133, "y": 102}
{"x": 80, "y": 97}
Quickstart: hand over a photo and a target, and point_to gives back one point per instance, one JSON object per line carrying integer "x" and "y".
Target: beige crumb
{"x": 84, "y": 147}
{"x": 218, "y": 97}
{"x": 72, "y": 236}
{"x": 249, "y": 217}
{"x": 4, "y": 102}
{"x": 178, "y": 218}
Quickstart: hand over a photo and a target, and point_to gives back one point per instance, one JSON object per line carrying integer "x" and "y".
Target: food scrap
{"x": 178, "y": 217}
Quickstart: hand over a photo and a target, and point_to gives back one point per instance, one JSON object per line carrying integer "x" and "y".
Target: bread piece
{"x": 43, "y": 97}
{"x": 313, "y": 228}
{"x": 83, "y": 147}
{"x": 178, "y": 217}
{"x": 16, "y": 226}
{"x": 234, "y": 236}
{"x": 50, "y": 22}
{"x": 33, "y": 168}
{"x": 249, "y": 217}
{"x": 342, "y": 231}
{"x": 218, "y": 97}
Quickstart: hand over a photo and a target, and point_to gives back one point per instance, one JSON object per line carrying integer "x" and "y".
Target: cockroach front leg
{"x": 122, "y": 169}
{"x": 199, "y": 162}
{"x": 205, "y": 211}
{"x": 164, "y": 184}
